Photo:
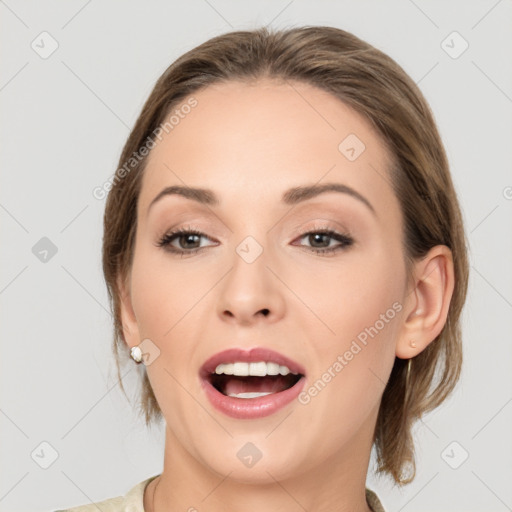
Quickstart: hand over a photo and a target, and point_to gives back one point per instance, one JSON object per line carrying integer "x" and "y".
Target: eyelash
{"x": 345, "y": 239}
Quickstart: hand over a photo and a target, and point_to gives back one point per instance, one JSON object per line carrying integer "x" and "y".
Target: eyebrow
{"x": 292, "y": 196}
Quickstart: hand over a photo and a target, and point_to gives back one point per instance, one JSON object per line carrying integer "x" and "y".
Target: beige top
{"x": 133, "y": 501}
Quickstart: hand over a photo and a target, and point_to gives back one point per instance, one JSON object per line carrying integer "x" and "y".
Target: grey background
{"x": 64, "y": 120}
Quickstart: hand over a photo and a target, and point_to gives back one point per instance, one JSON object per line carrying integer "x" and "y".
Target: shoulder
{"x": 373, "y": 501}
{"x": 132, "y": 501}
{"x": 109, "y": 505}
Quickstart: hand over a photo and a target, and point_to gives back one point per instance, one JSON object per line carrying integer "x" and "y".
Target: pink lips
{"x": 250, "y": 408}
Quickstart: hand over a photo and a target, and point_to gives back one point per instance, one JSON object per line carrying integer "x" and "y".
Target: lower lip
{"x": 251, "y": 408}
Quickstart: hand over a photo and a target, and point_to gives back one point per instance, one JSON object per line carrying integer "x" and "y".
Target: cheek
{"x": 351, "y": 366}
{"x": 170, "y": 300}
{"x": 351, "y": 292}
{"x": 163, "y": 302}
{"x": 359, "y": 302}
{"x": 162, "y": 292}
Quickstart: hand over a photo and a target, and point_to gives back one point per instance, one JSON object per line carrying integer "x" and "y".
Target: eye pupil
{"x": 317, "y": 237}
{"x": 187, "y": 239}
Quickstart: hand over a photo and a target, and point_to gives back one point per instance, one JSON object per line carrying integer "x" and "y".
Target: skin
{"x": 250, "y": 143}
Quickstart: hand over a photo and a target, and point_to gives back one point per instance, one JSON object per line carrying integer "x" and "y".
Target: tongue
{"x": 269, "y": 384}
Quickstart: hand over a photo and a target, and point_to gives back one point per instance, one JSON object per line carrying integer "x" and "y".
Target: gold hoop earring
{"x": 407, "y": 390}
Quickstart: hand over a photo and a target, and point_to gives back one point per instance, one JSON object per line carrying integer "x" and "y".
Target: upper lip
{"x": 253, "y": 355}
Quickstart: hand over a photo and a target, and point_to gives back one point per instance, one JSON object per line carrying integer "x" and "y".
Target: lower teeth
{"x": 249, "y": 395}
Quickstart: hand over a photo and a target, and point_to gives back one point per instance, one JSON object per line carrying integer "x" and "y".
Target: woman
{"x": 284, "y": 252}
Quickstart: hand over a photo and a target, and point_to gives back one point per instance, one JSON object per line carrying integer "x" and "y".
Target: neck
{"x": 338, "y": 483}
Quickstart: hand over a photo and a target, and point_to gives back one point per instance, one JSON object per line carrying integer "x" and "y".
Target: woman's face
{"x": 266, "y": 276}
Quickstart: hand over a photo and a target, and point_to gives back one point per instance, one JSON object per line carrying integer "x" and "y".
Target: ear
{"x": 428, "y": 302}
{"x": 128, "y": 319}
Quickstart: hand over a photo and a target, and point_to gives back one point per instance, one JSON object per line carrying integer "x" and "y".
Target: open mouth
{"x": 251, "y": 384}
{"x": 252, "y": 380}
{"x": 236, "y": 378}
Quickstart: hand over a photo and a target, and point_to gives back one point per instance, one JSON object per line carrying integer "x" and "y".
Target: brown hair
{"x": 377, "y": 88}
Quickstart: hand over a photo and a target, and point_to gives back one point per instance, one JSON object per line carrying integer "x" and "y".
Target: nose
{"x": 251, "y": 293}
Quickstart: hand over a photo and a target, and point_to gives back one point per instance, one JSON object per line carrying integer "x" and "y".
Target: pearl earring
{"x": 413, "y": 344}
{"x": 136, "y": 354}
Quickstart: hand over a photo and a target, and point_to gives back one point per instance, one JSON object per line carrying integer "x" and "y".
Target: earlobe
{"x": 428, "y": 304}
{"x": 128, "y": 319}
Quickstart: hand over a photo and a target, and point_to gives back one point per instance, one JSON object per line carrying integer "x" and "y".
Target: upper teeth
{"x": 259, "y": 369}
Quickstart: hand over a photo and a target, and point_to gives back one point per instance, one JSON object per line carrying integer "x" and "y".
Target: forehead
{"x": 261, "y": 138}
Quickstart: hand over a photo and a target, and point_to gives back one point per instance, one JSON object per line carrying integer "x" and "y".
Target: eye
{"x": 188, "y": 240}
{"x": 321, "y": 241}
